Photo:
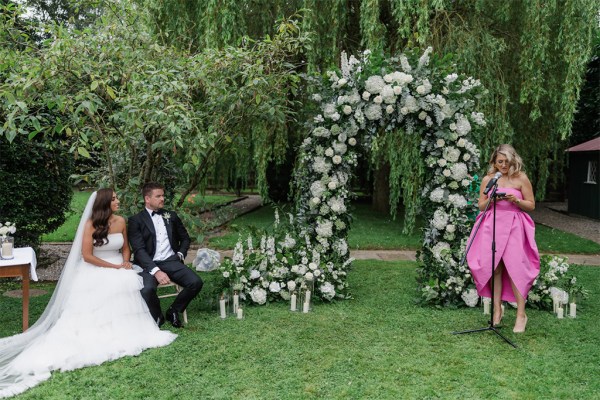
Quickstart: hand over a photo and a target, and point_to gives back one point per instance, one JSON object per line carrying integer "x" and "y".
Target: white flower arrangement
{"x": 7, "y": 228}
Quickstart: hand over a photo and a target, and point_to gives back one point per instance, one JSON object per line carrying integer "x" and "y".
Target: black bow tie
{"x": 158, "y": 212}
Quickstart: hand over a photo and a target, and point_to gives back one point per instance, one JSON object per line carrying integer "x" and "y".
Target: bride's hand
{"x": 127, "y": 265}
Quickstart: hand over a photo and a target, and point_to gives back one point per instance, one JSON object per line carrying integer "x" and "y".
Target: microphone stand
{"x": 491, "y": 327}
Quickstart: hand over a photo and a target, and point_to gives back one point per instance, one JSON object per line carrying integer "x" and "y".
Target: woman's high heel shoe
{"x": 520, "y": 328}
{"x": 496, "y": 324}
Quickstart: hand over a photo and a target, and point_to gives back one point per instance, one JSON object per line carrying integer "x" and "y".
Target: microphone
{"x": 492, "y": 182}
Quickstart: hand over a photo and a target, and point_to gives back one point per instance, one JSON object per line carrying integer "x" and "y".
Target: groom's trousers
{"x": 178, "y": 273}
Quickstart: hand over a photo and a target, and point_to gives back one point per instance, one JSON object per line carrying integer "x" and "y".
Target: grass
{"x": 378, "y": 345}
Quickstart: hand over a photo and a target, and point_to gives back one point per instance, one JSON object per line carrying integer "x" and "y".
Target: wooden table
{"x": 21, "y": 266}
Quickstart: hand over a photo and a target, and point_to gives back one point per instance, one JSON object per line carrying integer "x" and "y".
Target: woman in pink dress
{"x": 517, "y": 262}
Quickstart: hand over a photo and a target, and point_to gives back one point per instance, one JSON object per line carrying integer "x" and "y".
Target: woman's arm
{"x": 483, "y": 198}
{"x": 88, "y": 247}
{"x": 528, "y": 202}
{"x": 126, "y": 251}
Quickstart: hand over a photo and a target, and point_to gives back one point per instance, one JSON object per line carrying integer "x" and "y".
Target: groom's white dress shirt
{"x": 163, "y": 246}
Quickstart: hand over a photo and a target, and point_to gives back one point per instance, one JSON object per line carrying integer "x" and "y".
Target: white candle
{"x": 307, "y": 298}
{"x": 7, "y": 249}
{"x": 572, "y": 310}
{"x": 305, "y": 308}
{"x": 486, "y": 306}
{"x": 293, "y": 302}
{"x": 555, "y": 304}
{"x": 240, "y": 313}
{"x": 222, "y": 307}
{"x": 559, "y": 313}
{"x": 236, "y": 303}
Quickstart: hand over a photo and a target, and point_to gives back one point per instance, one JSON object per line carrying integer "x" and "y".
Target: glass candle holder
{"x": 293, "y": 300}
{"x": 7, "y": 247}
{"x": 223, "y": 304}
{"x": 235, "y": 304}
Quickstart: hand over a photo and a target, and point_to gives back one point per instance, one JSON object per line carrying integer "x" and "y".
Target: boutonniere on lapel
{"x": 167, "y": 217}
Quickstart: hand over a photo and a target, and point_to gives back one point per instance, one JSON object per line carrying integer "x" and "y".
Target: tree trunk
{"x": 381, "y": 189}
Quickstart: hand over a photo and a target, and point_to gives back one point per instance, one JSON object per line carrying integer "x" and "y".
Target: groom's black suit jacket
{"x": 142, "y": 237}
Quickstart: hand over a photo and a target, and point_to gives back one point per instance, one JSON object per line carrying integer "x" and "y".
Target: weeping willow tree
{"x": 529, "y": 54}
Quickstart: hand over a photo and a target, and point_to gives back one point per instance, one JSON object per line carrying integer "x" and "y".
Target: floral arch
{"x": 417, "y": 116}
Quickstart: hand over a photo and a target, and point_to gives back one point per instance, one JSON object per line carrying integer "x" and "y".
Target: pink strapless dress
{"x": 515, "y": 246}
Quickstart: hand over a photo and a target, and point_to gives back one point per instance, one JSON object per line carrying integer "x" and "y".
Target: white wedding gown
{"x": 104, "y": 318}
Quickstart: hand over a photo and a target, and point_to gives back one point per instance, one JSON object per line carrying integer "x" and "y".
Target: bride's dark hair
{"x": 101, "y": 212}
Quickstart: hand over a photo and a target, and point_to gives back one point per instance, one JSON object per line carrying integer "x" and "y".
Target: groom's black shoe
{"x": 173, "y": 318}
{"x": 160, "y": 321}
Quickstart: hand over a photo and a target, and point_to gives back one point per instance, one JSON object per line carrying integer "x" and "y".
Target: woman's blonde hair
{"x": 515, "y": 163}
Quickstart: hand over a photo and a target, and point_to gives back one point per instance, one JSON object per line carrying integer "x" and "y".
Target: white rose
{"x": 451, "y": 228}
{"x": 309, "y": 276}
{"x": 317, "y": 273}
{"x": 453, "y": 126}
{"x": 467, "y": 157}
{"x": 342, "y": 82}
{"x": 442, "y": 162}
{"x": 347, "y": 110}
{"x": 291, "y": 285}
{"x": 226, "y": 274}
{"x": 332, "y": 185}
{"x": 397, "y": 90}
{"x": 422, "y": 115}
{"x": 275, "y": 287}
{"x": 404, "y": 110}
{"x": 329, "y": 152}
{"x": 366, "y": 95}
{"x": 447, "y": 172}
{"x": 378, "y": 100}
{"x": 389, "y": 109}
{"x": 337, "y": 159}
{"x": 352, "y": 142}
{"x": 461, "y": 142}
{"x": 315, "y": 200}
{"x": 440, "y": 143}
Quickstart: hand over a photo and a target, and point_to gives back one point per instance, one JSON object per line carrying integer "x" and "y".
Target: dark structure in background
{"x": 584, "y": 179}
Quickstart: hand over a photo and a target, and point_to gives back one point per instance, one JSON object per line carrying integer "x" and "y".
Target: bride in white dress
{"x": 96, "y": 313}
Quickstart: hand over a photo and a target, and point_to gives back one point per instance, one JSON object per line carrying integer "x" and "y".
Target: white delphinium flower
{"x": 337, "y": 159}
{"x": 289, "y": 241}
{"x": 347, "y": 110}
{"x": 478, "y": 118}
{"x": 440, "y": 219}
{"x": 437, "y": 195}
{"x": 459, "y": 171}
{"x": 324, "y": 228}
{"x": 450, "y": 78}
{"x": 250, "y": 243}
{"x": 317, "y": 97}
{"x": 428, "y": 121}
{"x": 276, "y": 217}
{"x": 264, "y": 283}
{"x": 318, "y": 119}
{"x": 238, "y": 254}
{"x": 374, "y": 84}
{"x": 462, "y": 125}
{"x": 424, "y": 59}
{"x": 328, "y": 290}
{"x": 342, "y": 137}
{"x": 405, "y": 64}
{"x": 258, "y": 295}
{"x": 373, "y": 112}
{"x": 270, "y": 250}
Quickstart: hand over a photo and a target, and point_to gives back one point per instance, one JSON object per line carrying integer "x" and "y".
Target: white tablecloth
{"x": 23, "y": 255}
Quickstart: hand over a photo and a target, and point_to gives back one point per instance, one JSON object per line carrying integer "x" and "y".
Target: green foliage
{"x": 36, "y": 192}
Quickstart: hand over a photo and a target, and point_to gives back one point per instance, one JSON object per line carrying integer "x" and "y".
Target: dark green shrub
{"x": 35, "y": 192}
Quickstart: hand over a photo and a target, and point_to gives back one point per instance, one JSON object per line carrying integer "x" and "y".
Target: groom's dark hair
{"x": 149, "y": 187}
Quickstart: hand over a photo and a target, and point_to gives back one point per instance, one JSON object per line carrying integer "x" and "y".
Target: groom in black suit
{"x": 160, "y": 243}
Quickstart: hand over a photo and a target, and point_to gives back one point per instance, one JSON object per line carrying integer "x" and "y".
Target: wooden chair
{"x": 173, "y": 294}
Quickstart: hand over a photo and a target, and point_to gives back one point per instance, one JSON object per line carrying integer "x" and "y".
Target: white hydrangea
{"x": 374, "y": 84}
{"x": 442, "y": 162}
{"x": 462, "y": 125}
{"x": 457, "y": 200}
{"x": 317, "y": 188}
{"x": 337, "y": 205}
{"x": 451, "y": 228}
{"x": 388, "y": 95}
{"x": 258, "y": 295}
{"x": 291, "y": 285}
{"x": 452, "y": 154}
{"x": 440, "y": 219}
{"x": 328, "y": 290}
{"x": 340, "y": 148}
{"x": 321, "y": 132}
{"x": 439, "y": 249}
{"x": 459, "y": 171}
{"x": 478, "y": 118}
{"x": 437, "y": 195}
{"x": 324, "y": 228}
{"x": 341, "y": 247}
{"x": 373, "y": 112}
{"x": 470, "y": 297}
{"x": 274, "y": 287}
{"x": 315, "y": 201}
{"x": 450, "y": 78}
{"x": 321, "y": 165}
{"x": 411, "y": 104}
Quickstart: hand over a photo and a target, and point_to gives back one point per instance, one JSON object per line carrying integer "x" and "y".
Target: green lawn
{"x": 377, "y": 346}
